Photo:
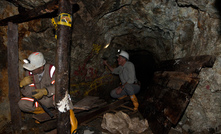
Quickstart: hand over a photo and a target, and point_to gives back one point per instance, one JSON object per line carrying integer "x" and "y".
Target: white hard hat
{"x": 124, "y": 54}
{"x": 34, "y": 61}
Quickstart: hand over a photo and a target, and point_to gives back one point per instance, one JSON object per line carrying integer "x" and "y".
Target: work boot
{"x": 73, "y": 121}
{"x": 38, "y": 110}
{"x": 135, "y": 102}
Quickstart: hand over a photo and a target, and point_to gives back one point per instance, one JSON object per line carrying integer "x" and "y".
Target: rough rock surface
{"x": 204, "y": 110}
{"x": 165, "y": 29}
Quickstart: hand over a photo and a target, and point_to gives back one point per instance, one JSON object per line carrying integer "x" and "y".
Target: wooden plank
{"x": 44, "y": 116}
{"x": 93, "y": 115}
{"x": 158, "y": 123}
{"x": 86, "y": 103}
{"x": 123, "y": 106}
{"x": 188, "y": 65}
{"x": 171, "y": 101}
{"x": 31, "y": 14}
{"x": 13, "y": 77}
{"x": 174, "y": 103}
{"x": 50, "y": 125}
{"x": 174, "y": 79}
{"x": 25, "y": 15}
{"x": 170, "y": 92}
{"x": 189, "y": 87}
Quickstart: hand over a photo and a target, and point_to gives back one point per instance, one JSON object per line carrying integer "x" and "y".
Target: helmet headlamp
{"x": 27, "y": 61}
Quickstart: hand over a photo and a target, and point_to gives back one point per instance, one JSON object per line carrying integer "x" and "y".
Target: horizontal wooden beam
{"x": 191, "y": 64}
{"x": 31, "y": 14}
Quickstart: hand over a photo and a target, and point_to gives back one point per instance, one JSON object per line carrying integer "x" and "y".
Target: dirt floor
{"x": 93, "y": 126}
{"x": 90, "y": 126}
{"x": 29, "y": 126}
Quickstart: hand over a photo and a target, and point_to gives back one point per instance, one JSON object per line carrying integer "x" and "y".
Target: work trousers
{"x": 27, "y": 104}
{"x": 129, "y": 89}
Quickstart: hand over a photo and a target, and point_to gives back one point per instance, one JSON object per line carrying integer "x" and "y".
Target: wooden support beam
{"x": 31, "y": 14}
{"x": 13, "y": 77}
{"x": 171, "y": 90}
{"x": 175, "y": 80}
{"x": 188, "y": 64}
{"x": 62, "y": 67}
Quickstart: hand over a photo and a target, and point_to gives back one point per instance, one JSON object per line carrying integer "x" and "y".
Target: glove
{"x": 26, "y": 81}
{"x": 39, "y": 93}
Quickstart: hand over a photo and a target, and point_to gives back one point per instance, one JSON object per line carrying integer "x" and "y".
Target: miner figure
{"x": 129, "y": 84}
{"x": 39, "y": 84}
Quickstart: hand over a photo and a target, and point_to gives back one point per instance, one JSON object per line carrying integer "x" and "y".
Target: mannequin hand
{"x": 26, "y": 81}
{"x": 39, "y": 93}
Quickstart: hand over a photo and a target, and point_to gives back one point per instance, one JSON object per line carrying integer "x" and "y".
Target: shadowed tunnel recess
{"x": 144, "y": 66}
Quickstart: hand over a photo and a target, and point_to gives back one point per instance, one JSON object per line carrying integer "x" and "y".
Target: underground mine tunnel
{"x": 174, "y": 46}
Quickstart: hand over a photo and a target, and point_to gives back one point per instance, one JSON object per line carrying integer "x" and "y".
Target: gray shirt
{"x": 40, "y": 76}
{"x": 126, "y": 73}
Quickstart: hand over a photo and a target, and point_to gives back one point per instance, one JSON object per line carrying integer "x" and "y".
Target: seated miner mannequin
{"x": 39, "y": 84}
{"x": 126, "y": 72}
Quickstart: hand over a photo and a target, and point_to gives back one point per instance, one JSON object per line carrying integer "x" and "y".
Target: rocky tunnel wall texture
{"x": 151, "y": 31}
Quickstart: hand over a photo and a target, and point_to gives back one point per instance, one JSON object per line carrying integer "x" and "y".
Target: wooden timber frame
{"x": 62, "y": 68}
{"x": 13, "y": 77}
{"x": 169, "y": 94}
{"x": 62, "y": 64}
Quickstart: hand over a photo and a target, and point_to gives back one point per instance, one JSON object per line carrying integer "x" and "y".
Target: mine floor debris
{"x": 91, "y": 109}
{"x": 90, "y": 119}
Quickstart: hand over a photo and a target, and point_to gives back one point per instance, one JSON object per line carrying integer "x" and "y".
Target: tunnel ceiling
{"x": 167, "y": 29}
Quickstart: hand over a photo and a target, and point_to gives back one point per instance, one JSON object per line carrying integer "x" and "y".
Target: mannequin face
{"x": 38, "y": 70}
{"x": 121, "y": 60}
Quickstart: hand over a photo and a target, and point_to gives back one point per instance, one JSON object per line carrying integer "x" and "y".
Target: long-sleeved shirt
{"x": 126, "y": 73}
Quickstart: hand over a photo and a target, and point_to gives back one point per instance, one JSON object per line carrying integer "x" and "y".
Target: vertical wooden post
{"x": 13, "y": 77}
{"x": 62, "y": 67}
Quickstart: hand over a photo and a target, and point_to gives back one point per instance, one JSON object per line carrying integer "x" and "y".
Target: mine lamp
{"x": 26, "y": 61}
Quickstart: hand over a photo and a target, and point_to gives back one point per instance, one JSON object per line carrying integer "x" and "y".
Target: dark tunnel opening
{"x": 144, "y": 63}
{"x": 217, "y": 5}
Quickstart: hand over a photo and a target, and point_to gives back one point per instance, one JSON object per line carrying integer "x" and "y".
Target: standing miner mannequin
{"x": 126, "y": 72}
{"x": 39, "y": 84}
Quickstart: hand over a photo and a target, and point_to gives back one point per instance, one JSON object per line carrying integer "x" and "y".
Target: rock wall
{"x": 165, "y": 29}
{"x": 204, "y": 109}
